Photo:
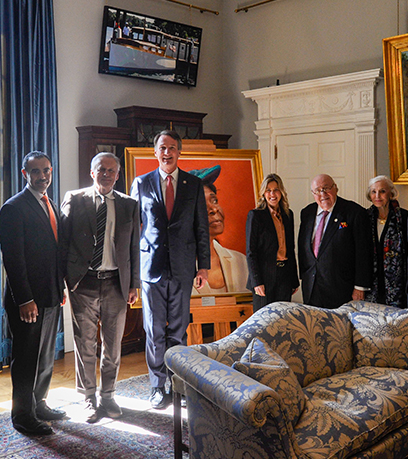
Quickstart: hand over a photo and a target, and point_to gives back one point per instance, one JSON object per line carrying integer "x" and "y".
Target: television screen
{"x": 136, "y": 45}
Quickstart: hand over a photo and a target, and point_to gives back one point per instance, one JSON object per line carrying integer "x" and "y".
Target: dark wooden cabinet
{"x": 137, "y": 127}
{"x": 146, "y": 122}
{"x": 220, "y": 140}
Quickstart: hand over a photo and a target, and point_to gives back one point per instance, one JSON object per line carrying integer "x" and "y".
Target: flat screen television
{"x": 140, "y": 46}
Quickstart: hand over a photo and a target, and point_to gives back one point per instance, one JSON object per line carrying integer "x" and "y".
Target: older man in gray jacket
{"x": 101, "y": 246}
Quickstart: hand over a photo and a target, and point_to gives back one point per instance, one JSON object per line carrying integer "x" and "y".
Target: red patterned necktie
{"x": 169, "y": 196}
{"x": 51, "y": 216}
{"x": 319, "y": 233}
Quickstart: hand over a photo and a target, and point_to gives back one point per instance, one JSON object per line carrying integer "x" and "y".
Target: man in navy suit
{"x": 29, "y": 235}
{"x": 174, "y": 242}
{"x": 338, "y": 268}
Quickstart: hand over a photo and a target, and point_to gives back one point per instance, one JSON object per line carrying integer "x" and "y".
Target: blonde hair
{"x": 283, "y": 203}
{"x": 382, "y": 178}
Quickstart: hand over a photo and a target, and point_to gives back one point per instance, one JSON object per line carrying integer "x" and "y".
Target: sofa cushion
{"x": 380, "y": 340}
{"x": 261, "y": 363}
{"x": 348, "y": 413}
{"x": 314, "y": 342}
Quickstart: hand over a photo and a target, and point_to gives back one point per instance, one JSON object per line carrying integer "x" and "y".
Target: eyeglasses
{"x": 323, "y": 189}
{"x": 103, "y": 171}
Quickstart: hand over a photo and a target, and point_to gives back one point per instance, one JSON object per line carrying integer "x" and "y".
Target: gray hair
{"x": 103, "y": 154}
{"x": 382, "y": 178}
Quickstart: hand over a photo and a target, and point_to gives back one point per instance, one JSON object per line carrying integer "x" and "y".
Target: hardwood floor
{"x": 64, "y": 373}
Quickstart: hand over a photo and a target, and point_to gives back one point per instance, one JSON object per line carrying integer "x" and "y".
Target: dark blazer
{"x": 262, "y": 247}
{"x": 180, "y": 242}
{"x": 30, "y": 253}
{"x": 345, "y": 254}
{"x": 78, "y": 221}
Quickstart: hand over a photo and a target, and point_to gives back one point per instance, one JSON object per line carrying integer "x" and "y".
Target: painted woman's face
{"x": 215, "y": 212}
{"x": 273, "y": 195}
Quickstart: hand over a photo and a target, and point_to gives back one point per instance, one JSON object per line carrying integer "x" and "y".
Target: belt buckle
{"x": 100, "y": 275}
{"x": 280, "y": 264}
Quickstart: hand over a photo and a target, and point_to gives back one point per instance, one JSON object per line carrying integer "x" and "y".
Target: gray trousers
{"x": 166, "y": 316}
{"x": 97, "y": 300}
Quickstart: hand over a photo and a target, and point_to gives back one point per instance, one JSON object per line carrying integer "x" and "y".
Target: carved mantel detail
{"x": 325, "y": 104}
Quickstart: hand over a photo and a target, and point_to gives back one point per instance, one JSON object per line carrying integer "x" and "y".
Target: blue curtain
{"x": 29, "y": 104}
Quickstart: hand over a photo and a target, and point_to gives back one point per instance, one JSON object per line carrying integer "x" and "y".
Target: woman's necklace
{"x": 382, "y": 220}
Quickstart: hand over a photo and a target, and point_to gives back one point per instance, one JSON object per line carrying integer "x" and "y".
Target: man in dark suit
{"x": 334, "y": 248}
{"x": 101, "y": 259}
{"x": 33, "y": 293}
{"x": 174, "y": 240}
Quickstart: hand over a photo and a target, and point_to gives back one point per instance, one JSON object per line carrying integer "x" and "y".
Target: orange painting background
{"x": 235, "y": 187}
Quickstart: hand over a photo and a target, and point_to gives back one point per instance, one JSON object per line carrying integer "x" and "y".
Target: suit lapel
{"x": 182, "y": 186}
{"x": 39, "y": 211}
{"x": 286, "y": 224}
{"x": 268, "y": 221}
{"x": 119, "y": 215}
{"x": 309, "y": 226}
{"x": 90, "y": 210}
{"x": 155, "y": 185}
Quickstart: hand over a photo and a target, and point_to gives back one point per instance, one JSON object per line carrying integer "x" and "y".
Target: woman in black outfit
{"x": 270, "y": 246}
{"x": 389, "y": 234}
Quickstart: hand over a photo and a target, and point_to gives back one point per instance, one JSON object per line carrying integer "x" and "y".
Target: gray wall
{"x": 296, "y": 40}
{"x": 289, "y": 40}
{"x": 88, "y": 98}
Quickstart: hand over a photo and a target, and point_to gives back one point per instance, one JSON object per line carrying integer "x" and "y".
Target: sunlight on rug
{"x": 140, "y": 433}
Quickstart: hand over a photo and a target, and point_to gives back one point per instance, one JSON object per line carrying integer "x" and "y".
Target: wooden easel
{"x": 221, "y": 314}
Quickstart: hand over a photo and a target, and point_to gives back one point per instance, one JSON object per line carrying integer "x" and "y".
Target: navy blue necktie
{"x": 101, "y": 214}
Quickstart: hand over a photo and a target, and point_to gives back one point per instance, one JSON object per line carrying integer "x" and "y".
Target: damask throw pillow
{"x": 261, "y": 363}
{"x": 380, "y": 340}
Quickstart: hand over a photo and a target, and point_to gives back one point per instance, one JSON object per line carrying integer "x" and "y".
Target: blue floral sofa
{"x": 295, "y": 381}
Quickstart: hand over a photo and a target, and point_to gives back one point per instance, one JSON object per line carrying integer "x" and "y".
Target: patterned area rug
{"x": 140, "y": 433}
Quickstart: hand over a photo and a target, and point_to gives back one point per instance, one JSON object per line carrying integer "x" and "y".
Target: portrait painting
{"x": 231, "y": 181}
{"x": 395, "y": 53}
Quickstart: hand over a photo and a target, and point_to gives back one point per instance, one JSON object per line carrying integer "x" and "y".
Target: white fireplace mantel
{"x": 321, "y": 105}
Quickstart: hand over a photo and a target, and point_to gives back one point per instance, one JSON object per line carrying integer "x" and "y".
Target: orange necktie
{"x": 51, "y": 215}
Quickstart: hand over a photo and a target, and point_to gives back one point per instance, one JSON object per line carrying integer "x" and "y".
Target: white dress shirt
{"x": 109, "y": 255}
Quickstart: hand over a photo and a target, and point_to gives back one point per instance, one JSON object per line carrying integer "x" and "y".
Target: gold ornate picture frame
{"x": 237, "y": 186}
{"x": 395, "y": 53}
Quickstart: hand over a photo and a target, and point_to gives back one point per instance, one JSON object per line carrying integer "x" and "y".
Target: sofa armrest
{"x": 242, "y": 397}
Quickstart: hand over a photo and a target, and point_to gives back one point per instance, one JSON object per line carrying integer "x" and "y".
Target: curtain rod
{"x": 202, "y": 10}
{"x": 246, "y": 8}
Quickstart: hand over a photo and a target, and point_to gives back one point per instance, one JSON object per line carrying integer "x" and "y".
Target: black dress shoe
{"x": 32, "y": 426}
{"x": 45, "y": 413}
{"x": 159, "y": 400}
